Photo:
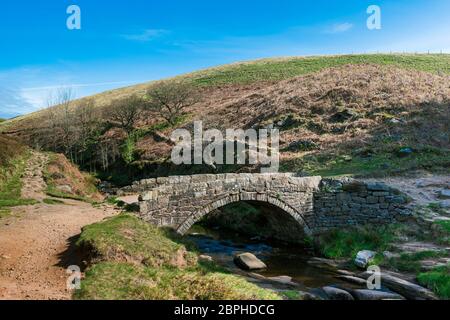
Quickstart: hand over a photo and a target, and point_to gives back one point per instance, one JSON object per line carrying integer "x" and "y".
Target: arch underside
{"x": 259, "y": 198}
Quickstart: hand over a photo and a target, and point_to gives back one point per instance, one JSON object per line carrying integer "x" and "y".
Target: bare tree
{"x": 170, "y": 99}
{"x": 60, "y": 121}
{"x": 86, "y": 122}
{"x": 126, "y": 112}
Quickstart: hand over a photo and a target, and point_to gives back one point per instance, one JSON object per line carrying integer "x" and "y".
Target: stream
{"x": 281, "y": 259}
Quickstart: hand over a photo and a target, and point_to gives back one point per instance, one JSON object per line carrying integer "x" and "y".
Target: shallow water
{"x": 281, "y": 259}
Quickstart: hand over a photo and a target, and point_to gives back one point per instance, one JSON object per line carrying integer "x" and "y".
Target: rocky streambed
{"x": 296, "y": 273}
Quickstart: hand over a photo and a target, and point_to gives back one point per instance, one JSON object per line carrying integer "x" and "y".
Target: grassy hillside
{"x": 272, "y": 70}
{"x": 339, "y": 115}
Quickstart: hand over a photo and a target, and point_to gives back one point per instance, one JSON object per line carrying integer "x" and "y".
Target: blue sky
{"x": 127, "y": 42}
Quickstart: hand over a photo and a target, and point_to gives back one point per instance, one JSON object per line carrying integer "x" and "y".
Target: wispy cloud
{"x": 146, "y": 35}
{"x": 339, "y": 28}
{"x": 27, "y": 89}
{"x": 81, "y": 85}
{"x": 12, "y": 103}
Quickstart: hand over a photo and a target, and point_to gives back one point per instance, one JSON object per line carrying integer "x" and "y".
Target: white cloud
{"x": 27, "y": 89}
{"x": 12, "y": 103}
{"x": 339, "y": 28}
{"x": 146, "y": 35}
{"x": 79, "y": 85}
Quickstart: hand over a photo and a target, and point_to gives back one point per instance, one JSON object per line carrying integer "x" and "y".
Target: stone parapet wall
{"x": 316, "y": 204}
{"x": 343, "y": 203}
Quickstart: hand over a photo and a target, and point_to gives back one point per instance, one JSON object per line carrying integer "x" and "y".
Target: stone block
{"x": 377, "y": 187}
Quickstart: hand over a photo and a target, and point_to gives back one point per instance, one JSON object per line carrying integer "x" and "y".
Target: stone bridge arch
{"x": 245, "y": 197}
{"x": 316, "y": 204}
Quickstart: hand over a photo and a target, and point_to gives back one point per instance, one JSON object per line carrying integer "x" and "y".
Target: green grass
{"x": 445, "y": 226}
{"x": 133, "y": 260}
{"x": 53, "y": 192}
{"x": 52, "y": 201}
{"x": 338, "y": 244}
{"x": 437, "y": 280}
{"x": 121, "y": 281}
{"x": 280, "y": 69}
{"x": 291, "y": 294}
{"x": 127, "y": 237}
{"x": 379, "y": 165}
{"x": 442, "y": 232}
{"x": 11, "y": 183}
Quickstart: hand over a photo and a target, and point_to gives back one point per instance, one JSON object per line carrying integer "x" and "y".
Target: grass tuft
{"x": 52, "y": 201}
{"x": 337, "y": 244}
{"x": 437, "y": 280}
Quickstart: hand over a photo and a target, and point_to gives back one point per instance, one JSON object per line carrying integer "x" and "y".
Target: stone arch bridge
{"x": 312, "y": 204}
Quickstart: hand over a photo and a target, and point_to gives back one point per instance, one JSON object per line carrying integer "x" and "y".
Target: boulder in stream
{"x": 249, "y": 261}
{"x": 337, "y": 294}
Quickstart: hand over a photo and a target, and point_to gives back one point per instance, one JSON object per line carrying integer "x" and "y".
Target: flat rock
{"x": 249, "y": 261}
{"x": 337, "y": 294}
{"x": 428, "y": 265}
{"x": 390, "y": 255}
{"x": 366, "y": 294}
{"x": 205, "y": 258}
{"x": 405, "y": 288}
{"x": 427, "y": 183}
{"x": 64, "y": 188}
{"x": 345, "y": 272}
{"x": 354, "y": 280}
{"x": 283, "y": 280}
{"x": 377, "y": 186}
{"x": 444, "y": 204}
{"x": 444, "y": 194}
{"x": 417, "y": 246}
{"x": 324, "y": 263}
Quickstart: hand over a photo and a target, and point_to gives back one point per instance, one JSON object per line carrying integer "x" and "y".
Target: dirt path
{"x": 37, "y": 242}
{"x": 33, "y": 180}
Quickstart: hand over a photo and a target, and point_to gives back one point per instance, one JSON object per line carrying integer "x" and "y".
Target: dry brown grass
{"x": 10, "y": 148}
{"x": 60, "y": 172}
{"x": 372, "y": 96}
{"x": 338, "y": 109}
